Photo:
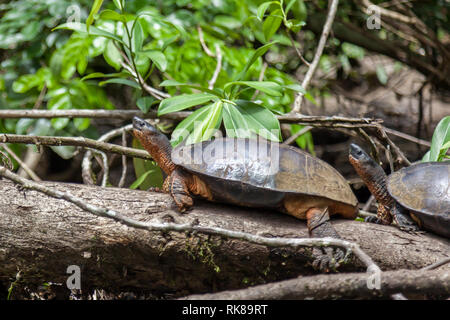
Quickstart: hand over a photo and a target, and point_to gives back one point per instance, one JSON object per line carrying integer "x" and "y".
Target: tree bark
{"x": 342, "y": 286}
{"x": 41, "y": 236}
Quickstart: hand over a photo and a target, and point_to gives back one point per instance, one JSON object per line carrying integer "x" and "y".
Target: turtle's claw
{"x": 372, "y": 219}
{"x": 327, "y": 259}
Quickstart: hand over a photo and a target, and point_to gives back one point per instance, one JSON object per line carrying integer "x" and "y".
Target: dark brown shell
{"x": 261, "y": 174}
{"x": 424, "y": 189}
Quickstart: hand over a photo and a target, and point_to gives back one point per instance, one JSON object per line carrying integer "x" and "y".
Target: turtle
{"x": 254, "y": 172}
{"x": 416, "y": 197}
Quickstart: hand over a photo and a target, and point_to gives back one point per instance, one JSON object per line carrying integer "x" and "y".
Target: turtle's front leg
{"x": 176, "y": 185}
{"x": 319, "y": 226}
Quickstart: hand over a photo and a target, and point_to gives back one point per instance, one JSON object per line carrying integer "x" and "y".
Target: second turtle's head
{"x": 364, "y": 165}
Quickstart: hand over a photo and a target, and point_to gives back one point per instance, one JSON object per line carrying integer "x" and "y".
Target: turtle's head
{"x": 142, "y": 127}
{"x": 360, "y": 159}
{"x": 156, "y": 143}
{"x": 370, "y": 172}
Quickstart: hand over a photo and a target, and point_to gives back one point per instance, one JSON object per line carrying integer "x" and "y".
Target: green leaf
{"x": 208, "y": 126}
{"x": 82, "y": 65}
{"x": 305, "y": 141}
{"x": 186, "y": 126}
{"x": 104, "y": 75}
{"x": 272, "y": 23}
{"x": 145, "y": 103}
{"x": 157, "y": 57}
{"x": 441, "y": 137}
{"x": 138, "y": 36}
{"x": 81, "y": 27}
{"x": 119, "y": 4}
{"x": 426, "y": 157}
{"x": 235, "y": 124}
{"x": 112, "y": 55}
{"x": 381, "y": 75}
{"x": 228, "y": 22}
{"x": 141, "y": 167}
{"x": 183, "y": 102}
{"x": 141, "y": 179}
{"x": 96, "y": 6}
{"x": 263, "y": 8}
{"x": 65, "y": 152}
{"x": 127, "y": 82}
{"x": 82, "y": 123}
{"x": 25, "y": 83}
{"x": 112, "y": 15}
{"x": 294, "y": 25}
{"x": 260, "y": 120}
{"x": 269, "y": 87}
{"x": 258, "y": 53}
{"x": 174, "y": 83}
{"x": 299, "y": 10}
{"x": 353, "y": 51}
{"x": 59, "y": 123}
{"x": 295, "y": 87}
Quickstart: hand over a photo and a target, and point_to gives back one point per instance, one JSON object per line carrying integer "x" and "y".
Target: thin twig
{"x": 299, "y": 54}
{"x": 213, "y": 80}
{"x": 74, "y": 141}
{"x": 86, "y": 166}
{"x": 40, "y": 99}
{"x": 407, "y": 137}
{"x": 25, "y": 167}
{"x": 124, "y": 161}
{"x": 315, "y": 62}
{"x": 202, "y": 42}
{"x": 437, "y": 264}
{"x": 260, "y": 78}
{"x": 297, "y": 134}
{"x": 105, "y": 166}
{"x": 388, "y": 13}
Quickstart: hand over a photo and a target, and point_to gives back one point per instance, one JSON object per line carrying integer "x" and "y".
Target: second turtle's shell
{"x": 424, "y": 189}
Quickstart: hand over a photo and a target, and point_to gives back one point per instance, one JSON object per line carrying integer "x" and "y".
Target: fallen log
{"x": 342, "y": 286}
{"x": 41, "y": 237}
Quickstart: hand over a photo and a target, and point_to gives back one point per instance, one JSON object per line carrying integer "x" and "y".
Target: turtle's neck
{"x": 159, "y": 147}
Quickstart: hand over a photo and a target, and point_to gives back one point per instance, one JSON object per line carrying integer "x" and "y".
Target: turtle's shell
{"x": 259, "y": 173}
{"x": 424, "y": 189}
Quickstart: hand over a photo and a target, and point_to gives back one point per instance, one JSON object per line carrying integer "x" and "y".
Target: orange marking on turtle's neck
{"x": 159, "y": 148}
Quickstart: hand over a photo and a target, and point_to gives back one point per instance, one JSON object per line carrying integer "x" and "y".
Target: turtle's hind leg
{"x": 403, "y": 220}
{"x": 319, "y": 226}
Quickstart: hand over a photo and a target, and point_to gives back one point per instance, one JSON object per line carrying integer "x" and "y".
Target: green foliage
{"x": 440, "y": 143}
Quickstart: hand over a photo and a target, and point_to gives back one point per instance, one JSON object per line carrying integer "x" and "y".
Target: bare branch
{"x": 218, "y": 68}
{"x": 299, "y": 54}
{"x": 73, "y": 141}
{"x": 347, "y": 285}
{"x": 297, "y": 134}
{"x": 88, "y": 113}
{"x": 318, "y": 54}
{"x": 388, "y": 13}
{"x": 124, "y": 161}
{"x": 202, "y": 42}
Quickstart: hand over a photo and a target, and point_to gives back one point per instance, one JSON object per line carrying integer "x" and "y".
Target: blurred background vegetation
{"x": 167, "y": 43}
